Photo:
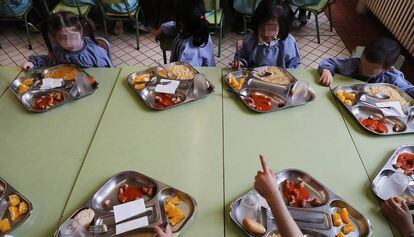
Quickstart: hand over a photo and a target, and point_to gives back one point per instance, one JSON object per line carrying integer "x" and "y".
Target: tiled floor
{"x": 15, "y": 51}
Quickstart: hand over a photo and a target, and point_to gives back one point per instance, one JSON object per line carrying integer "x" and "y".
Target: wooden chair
{"x": 215, "y": 15}
{"x": 131, "y": 15}
{"x": 317, "y": 9}
{"x": 18, "y": 17}
{"x": 357, "y": 53}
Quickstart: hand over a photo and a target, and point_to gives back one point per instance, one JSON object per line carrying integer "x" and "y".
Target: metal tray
{"x": 184, "y": 90}
{"x": 280, "y": 94}
{"x": 367, "y": 108}
{"x": 27, "y": 99}
{"x": 389, "y": 169}
{"x": 162, "y": 192}
{"x": 9, "y": 190}
{"x": 313, "y": 221}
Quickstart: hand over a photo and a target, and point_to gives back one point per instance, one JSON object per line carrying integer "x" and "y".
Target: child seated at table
{"x": 399, "y": 214}
{"x": 71, "y": 45}
{"x": 266, "y": 185}
{"x": 192, "y": 43}
{"x": 374, "y": 66}
{"x": 270, "y": 43}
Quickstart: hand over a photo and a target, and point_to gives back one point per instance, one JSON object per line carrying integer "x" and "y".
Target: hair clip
{"x": 202, "y": 17}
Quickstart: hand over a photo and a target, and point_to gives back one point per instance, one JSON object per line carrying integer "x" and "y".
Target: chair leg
{"x": 317, "y": 27}
{"x": 220, "y": 38}
{"x": 330, "y": 17}
{"x": 164, "y": 56}
{"x": 309, "y": 14}
{"x": 26, "y": 24}
{"x": 137, "y": 30}
{"x": 105, "y": 28}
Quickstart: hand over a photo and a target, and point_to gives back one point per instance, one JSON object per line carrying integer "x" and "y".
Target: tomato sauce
{"x": 128, "y": 194}
{"x": 297, "y": 195}
{"x": 376, "y": 125}
{"x": 406, "y": 161}
{"x": 163, "y": 101}
{"x": 259, "y": 102}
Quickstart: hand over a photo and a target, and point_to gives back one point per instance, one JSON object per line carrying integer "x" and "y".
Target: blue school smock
{"x": 350, "y": 67}
{"x": 72, "y": 3}
{"x": 18, "y": 6}
{"x": 183, "y": 50}
{"x": 91, "y": 55}
{"x": 121, "y": 7}
{"x": 281, "y": 53}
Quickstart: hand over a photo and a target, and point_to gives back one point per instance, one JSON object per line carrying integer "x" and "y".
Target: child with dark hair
{"x": 374, "y": 66}
{"x": 270, "y": 43}
{"x": 71, "y": 46}
{"x": 192, "y": 43}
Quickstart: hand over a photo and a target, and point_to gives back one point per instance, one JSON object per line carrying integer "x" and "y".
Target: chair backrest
{"x": 211, "y": 5}
{"x": 102, "y": 4}
{"x": 357, "y": 53}
{"x": 246, "y": 7}
{"x": 7, "y": 6}
{"x": 102, "y": 42}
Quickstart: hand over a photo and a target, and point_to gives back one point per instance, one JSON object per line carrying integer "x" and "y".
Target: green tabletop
{"x": 312, "y": 137}
{"x": 7, "y": 74}
{"x": 41, "y": 153}
{"x": 181, "y": 147}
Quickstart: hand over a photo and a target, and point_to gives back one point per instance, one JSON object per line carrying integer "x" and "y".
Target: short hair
{"x": 270, "y": 9}
{"x": 383, "y": 51}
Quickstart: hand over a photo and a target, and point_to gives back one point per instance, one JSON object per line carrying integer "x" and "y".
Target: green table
{"x": 42, "y": 153}
{"x": 181, "y": 147}
{"x": 312, "y": 137}
{"x": 7, "y": 74}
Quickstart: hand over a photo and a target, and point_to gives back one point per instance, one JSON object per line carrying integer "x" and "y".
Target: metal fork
{"x": 98, "y": 229}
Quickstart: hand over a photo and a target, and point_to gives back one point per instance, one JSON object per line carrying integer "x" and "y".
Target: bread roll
{"x": 253, "y": 226}
{"x": 85, "y": 217}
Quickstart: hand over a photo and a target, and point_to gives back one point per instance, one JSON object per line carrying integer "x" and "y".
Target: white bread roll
{"x": 85, "y": 217}
{"x": 253, "y": 226}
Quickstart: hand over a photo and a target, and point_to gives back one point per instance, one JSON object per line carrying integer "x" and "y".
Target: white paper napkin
{"x": 50, "y": 83}
{"x": 128, "y": 210}
{"x": 167, "y": 86}
{"x": 395, "y": 111}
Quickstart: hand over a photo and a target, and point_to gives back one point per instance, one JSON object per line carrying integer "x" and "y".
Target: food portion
{"x": 85, "y": 217}
{"x": 394, "y": 94}
{"x": 297, "y": 195}
{"x": 174, "y": 213}
{"x": 273, "y": 75}
{"x": 128, "y": 193}
{"x": 163, "y": 100}
{"x": 253, "y": 226}
{"x": 261, "y": 102}
{"x": 375, "y": 124}
{"x": 25, "y": 86}
{"x": 341, "y": 219}
{"x": 49, "y": 100}
{"x": 17, "y": 208}
{"x": 66, "y": 73}
{"x": 179, "y": 72}
{"x": 405, "y": 161}
{"x": 236, "y": 84}
{"x": 139, "y": 82}
{"x": 345, "y": 97}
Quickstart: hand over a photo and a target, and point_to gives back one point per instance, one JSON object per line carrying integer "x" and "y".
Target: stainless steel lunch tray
{"x": 280, "y": 94}
{"x": 162, "y": 192}
{"x": 27, "y": 99}
{"x": 389, "y": 169}
{"x": 9, "y": 190}
{"x": 314, "y": 221}
{"x": 184, "y": 90}
{"x": 364, "y": 110}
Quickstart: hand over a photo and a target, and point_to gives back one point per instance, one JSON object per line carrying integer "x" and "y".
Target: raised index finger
{"x": 264, "y": 165}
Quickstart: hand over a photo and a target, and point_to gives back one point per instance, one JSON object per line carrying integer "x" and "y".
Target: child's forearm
{"x": 286, "y": 225}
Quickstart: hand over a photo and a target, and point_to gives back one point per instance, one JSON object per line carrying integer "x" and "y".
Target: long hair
{"x": 271, "y": 9}
{"x": 190, "y": 21}
{"x": 59, "y": 20}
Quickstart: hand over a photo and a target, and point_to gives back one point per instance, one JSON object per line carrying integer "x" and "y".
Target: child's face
{"x": 69, "y": 39}
{"x": 269, "y": 30}
{"x": 369, "y": 69}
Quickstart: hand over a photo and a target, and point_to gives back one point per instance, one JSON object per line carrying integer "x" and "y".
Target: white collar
{"x": 262, "y": 42}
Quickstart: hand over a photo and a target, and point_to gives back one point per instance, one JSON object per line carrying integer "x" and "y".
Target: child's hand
{"x": 161, "y": 233}
{"x": 265, "y": 181}
{"x": 27, "y": 65}
{"x": 399, "y": 214}
{"x": 326, "y": 78}
{"x": 236, "y": 64}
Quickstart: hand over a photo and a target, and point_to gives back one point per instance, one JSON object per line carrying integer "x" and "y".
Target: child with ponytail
{"x": 71, "y": 45}
{"x": 192, "y": 43}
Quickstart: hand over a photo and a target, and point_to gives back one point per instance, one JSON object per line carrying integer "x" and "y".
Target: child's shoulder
{"x": 393, "y": 73}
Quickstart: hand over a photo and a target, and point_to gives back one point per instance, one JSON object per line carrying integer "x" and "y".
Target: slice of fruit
{"x": 14, "y": 200}
{"x": 5, "y": 225}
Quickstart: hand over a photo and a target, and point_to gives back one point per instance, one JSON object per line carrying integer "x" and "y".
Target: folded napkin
{"x": 50, "y": 83}
{"x": 167, "y": 86}
{"x": 392, "y": 108}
